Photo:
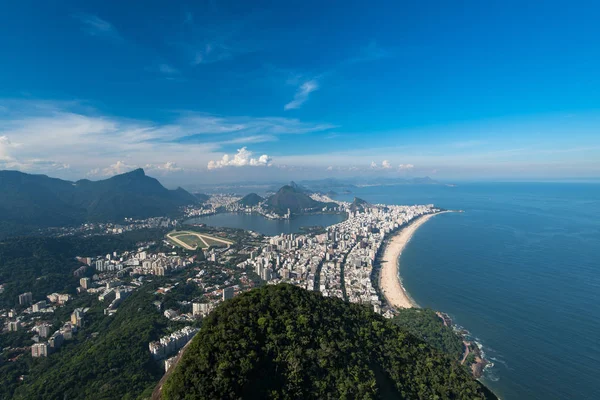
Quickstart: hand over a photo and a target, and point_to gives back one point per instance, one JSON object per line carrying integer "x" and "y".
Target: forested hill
{"x": 285, "y": 342}
{"x": 34, "y": 201}
{"x": 250, "y": 200}
{"x": 293, "y": 198}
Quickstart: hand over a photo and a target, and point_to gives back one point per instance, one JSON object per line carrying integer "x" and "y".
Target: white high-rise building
{"x": 39, "y": 350}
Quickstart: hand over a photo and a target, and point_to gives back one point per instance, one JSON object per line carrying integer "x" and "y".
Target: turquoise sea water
{"x": 520, "y": 269}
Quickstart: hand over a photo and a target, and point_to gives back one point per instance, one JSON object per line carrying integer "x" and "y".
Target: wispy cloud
{"x": 243, "y": 158}
{"x": 250, "y": 139}
{"x": 210, "y": 39}
{"x": 121, "y": 167}
{"x": 211, "y": 53}
{"x": 118, "y": 167}
{"x": 371, "y": 52}
{"x": 385, "y": 164}
{"x": 166, "y": 69}
{"x": 97, "y": 26}
{"x": 302, "y": 94}
{"x": 43, "y": 137}
{"x": 5, "y": 144}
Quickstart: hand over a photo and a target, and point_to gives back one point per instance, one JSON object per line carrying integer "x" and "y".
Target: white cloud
{"x": 211, "y": 53}
{"x": 52, "y": 134}
{"x": 96, "y": 26}
{"x": 385, "y": 164}
{"x": 117, "y": 168}
{"x": 302, "y": 94}
{"x": 406, "y": 166}
{"x": 242, "y": 158}
{"x": 7, "y": 161}
{"x": 166, "y": 167}
{"x": 166, "y": 69}
{"x": 251, "y": 139}
{"x": 5, "y": 144}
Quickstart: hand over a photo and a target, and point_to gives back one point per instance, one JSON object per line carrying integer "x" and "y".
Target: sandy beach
{"x": 390, "y": 285}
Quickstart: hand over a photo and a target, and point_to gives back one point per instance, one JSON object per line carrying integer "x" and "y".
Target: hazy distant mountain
{"x": 40, "y": 201}
{"x": 292, "y": 198}
{"x": 281, "y": 341}
{"x": 202, "y": 198}
{"x": 323, "y": 185}
{"x": 250, "y": 200}
{"x": 300, "y": 188}
{"x": 424, "y": 181}
{"x": 359, "y": 205}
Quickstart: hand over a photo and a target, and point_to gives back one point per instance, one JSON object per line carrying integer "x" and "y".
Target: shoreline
{"x": 390, "y": 283}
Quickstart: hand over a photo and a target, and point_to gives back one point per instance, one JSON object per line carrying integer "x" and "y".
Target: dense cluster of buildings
{"x": 55, "y": 341}
{"x": 140, "y": 263}
{"x": 171, "y": 344}
{"x": 212, "y": 205}
{"x": 109, "y": 228}
{"x": 339, "y": 262}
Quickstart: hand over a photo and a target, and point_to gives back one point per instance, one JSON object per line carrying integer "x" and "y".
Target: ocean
{"x": 519, "y": 269}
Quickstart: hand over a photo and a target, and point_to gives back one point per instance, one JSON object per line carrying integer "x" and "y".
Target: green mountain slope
{"x": 425, "y": 324}
{"x": 284, "y": 342}
{"x": 294, "y": 199}
{"x": 35, "y": 201}
{"x": 113, "y": 364}
{"x": 250, "y": 200}
{"x": 359, "y": 205}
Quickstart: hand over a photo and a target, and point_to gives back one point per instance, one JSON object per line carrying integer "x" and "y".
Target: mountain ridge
{"x": 292, "y": 198}
{"x": 250, "y": 200}
{"x": 39, "y": 201}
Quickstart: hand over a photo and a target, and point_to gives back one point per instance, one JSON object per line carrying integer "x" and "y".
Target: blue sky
{"x": 211, "y": 91}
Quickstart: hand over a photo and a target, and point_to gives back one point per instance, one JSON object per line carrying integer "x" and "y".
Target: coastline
{"x": 389, "y": 280}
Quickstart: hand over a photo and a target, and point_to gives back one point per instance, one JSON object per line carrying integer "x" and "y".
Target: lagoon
{"x": 269, "y": 227}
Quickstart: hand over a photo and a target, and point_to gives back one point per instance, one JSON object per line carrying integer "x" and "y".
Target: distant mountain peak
{"x": 359, "y": 204}
{"x": 250, "y": 200}
{"x": 136, "y": 172}
{"x": 299, "y": 188}
{"x": 358, "y": 200}
{"x": 292, "y": 197}
{"x": 288, "y": 188}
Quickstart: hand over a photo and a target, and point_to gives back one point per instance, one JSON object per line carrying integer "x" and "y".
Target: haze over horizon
{"x": 223, "y": 92}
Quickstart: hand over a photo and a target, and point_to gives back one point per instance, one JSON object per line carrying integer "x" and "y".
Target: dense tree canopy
{"x": 426, "y": 325}
{"x": 43, "y": 265}
{"x": 284, "y": 342}
{"x": 113, "y": 363}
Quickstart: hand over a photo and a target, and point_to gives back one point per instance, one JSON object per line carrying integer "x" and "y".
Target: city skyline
{"x": 225, "y": 92}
